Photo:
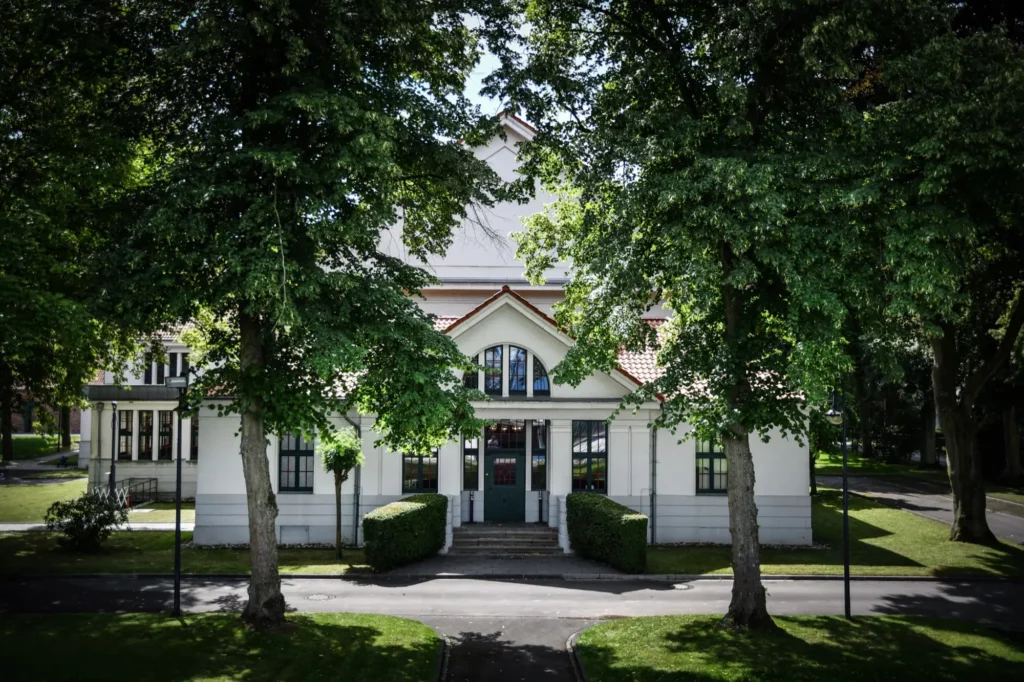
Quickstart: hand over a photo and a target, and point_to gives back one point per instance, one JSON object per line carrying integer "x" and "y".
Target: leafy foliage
{"x": 341, "y": 452}
{"x": 85, "y": 521}
{"x": 405, "y": 531}
{"x": 604, "y": 530}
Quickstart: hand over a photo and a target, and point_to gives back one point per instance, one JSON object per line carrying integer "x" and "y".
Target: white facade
{"x": 485, "y": 303}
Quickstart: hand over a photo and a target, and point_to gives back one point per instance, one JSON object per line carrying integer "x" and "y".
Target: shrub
{"x": 85, "y": 521}
{"x": 606, "y": 531}
{"x": 405, "y": 531}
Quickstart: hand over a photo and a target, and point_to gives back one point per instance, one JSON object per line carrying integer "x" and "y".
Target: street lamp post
{"x": 836, "y": 415}
{"x": 180, "y": 383}
{"x": 113, "y": 447}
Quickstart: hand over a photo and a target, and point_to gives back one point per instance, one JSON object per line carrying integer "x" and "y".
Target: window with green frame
{"x": 590, "y": 456}
{"x": 492, "y": 370}
{"x": 146, "y": 434}
{"x": 124, "y": 434}
{"x": 419, "y": 473}
{"x": 712, "y": 469}
{"x": 470, "y": 463}
{"x": 295, "y": 459}
{"x": 539, "y": 456}
{"x": 165, "y": 423}
{"x": 471, "y": 379}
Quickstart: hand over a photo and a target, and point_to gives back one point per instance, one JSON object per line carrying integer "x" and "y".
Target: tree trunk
{"x": 929, "y": 458}
{"x": 6, "y": 408}
{"x": 748, "y": 608}
{"x": 338, "y": 480}
{"x": 1011, "y": 445}
{"x": 814, "y": 481}
{"x": 266, "y": 603}
{"x": 65, "y": 427}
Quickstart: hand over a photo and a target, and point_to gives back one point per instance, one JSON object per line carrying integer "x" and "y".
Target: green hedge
{"x": 606, "y": 531}
{"x": 405, "y": 531}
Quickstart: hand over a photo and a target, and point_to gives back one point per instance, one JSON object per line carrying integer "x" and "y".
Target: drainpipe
{"x": 355, "y": 504}
{"x": 96, "y": 456}
{"x": 654, "y": 484}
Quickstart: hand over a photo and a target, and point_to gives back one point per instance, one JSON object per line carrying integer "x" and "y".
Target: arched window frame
{"x": 493, "y": 358}
{"x": 517, "y": 364}
{"x": 541, "y": 381}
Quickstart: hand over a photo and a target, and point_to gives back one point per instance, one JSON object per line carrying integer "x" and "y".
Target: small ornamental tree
{"x": 341, "y": 452}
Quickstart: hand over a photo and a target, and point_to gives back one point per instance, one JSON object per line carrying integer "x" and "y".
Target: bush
{"x": 606, "y": 531}
{"x": 405, "y": 531}
{"x": 85, "y": 521}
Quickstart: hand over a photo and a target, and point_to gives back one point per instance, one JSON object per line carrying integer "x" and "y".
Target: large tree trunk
{"x": 1011, "y": 445}
{"x": 814, "y": 480}
{"x": 6, "y": 409}
{"x": 929, "y": 457}
{"x": 266, "y": 603}
{"x": 748, "y": 608}
{"x": 65, "y": 427}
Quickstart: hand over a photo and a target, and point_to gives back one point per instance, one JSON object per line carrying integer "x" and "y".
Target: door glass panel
{"x": 579, "y": 473}
{"x": 504, "y": 471}
{"x": 597, "y": 474}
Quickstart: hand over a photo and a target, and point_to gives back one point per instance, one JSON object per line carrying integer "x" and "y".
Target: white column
{"x": 449, "y": 469}
{"x": 618, "y": 459}
{"x": 529, "y": 374}
{"x": 559, "y": 466}
{"x": 504, "y": 371}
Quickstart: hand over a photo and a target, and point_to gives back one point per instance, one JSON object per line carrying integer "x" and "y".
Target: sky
{"x": 488, "y": 105}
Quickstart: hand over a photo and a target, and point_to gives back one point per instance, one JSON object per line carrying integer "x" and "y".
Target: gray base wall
{"x": 782, "y": 520}
{"x": 165, "y": 473}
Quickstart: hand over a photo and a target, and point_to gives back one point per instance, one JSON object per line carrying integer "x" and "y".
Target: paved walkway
{"x": 558, "y": 566}
{"x": 929, "y": 501}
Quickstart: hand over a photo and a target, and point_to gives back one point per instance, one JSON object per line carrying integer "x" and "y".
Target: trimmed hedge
{"x": 606, "y": 531}
{"x": 405, "y": 531}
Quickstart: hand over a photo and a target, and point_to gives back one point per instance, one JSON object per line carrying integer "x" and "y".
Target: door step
{"x": 505, "y": 540}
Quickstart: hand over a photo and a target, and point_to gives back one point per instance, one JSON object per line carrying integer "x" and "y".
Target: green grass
{"x": 163, "y": 512}
{"x": 803, "y": 649}
{"x": 832, "y": 465}
{"x": 144, "y": 647}
{"x": 30, "y": 502}
{"x": 1011, "y": 494}
{"x": 153, "y": 552}
{"x": 28, "y": 446}
{"x": 883, "y": 541}
{"x": 57, "y": 474}
{"x": 72, "y": 461}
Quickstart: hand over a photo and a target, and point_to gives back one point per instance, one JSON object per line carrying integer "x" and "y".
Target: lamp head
{"x": 834, "y": 415}
{"x": 176, "y": 382}
{"x": 113, "y": 404}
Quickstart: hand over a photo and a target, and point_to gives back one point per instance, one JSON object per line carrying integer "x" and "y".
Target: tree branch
{"x": 980, "y": 376}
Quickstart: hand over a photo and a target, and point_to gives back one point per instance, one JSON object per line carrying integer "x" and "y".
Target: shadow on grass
{"x": 491, "y": 657}
{"x": 146, "y": 647}
{"x": 805, "y": 649}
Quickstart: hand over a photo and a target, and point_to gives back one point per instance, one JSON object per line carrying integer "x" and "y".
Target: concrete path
{"x": 33, "y": 527}
{"x": 557, "y": 566}
{"x": 927, "y": 501}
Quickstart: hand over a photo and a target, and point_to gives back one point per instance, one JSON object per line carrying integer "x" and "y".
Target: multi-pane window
{"x": 173, "y": 358}
{"x": 506, "y": 434}
{"x": 492, "y": 371}
{"x": 163, "y": 441}
{"x": 516, "y": 371}
{"x": 539, "y": 457}
{"x": 470, "y": 463}
{"x": 712, "y": 469}
{"x": 541, "y": 383}
{"x": 471, "y": 379}
{"x": 124, "y": 434}
{"x": 590, "y": 456}
{"x": 146, "y": 434}
{"x": 295, "y": 460}
{"x": 193, "y": 448}
{"x": 419, "y": 473}
{"x": 160, "y": 374}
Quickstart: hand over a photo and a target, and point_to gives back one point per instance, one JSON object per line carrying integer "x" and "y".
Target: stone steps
{"x": 498, "y": 541}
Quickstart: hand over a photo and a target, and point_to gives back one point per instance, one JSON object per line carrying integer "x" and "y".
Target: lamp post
{"x": 180, "y": 383}
{"x": 113, "y": 447}
{"x": 836, "y": 415}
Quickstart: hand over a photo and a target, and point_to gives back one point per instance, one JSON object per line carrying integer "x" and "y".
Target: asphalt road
{"x": 926, "y": 500}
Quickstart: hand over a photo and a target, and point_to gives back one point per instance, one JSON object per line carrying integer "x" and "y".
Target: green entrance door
{"x": 505, "y": 485}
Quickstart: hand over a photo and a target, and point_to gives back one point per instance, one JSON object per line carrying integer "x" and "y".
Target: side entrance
{"x": 505, "y": 485}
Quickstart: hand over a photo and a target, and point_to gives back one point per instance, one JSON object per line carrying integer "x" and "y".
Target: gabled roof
{"x": 639, "y": 368}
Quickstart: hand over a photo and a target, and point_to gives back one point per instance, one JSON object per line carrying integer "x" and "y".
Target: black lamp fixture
{"x": 113, "y": 448}
{"x": 836, "y": 415}
{"x": 181, "y": 384}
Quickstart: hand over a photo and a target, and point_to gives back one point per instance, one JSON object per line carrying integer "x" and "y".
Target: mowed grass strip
{"x": 803, "y": 649}
{"x": 28, "y": 503}
{"x": 143, "y": 647}
{"x": 883, "y": 541}
{"x": 153, "y": 552}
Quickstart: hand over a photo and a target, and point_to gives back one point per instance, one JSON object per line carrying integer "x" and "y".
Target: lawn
{"x": 57, "y": 473}
{"x": 141, "y": 647}
{"x": 803, "y": 649}
{"x": 27, "y": 446}
{"x": 72, "y": 461}
{"x": 883, "y": 541}
{"x": 162, "y": 512}
{"x": 832, "y": 465}
{"x": 153, "y": 552}
{"x": 30, "y": 502}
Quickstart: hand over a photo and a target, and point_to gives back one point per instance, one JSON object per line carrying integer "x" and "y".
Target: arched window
{"x": 541, "y": 383}
{"x": 516, "y": 371}
{"x": 471, "y": 379}
{"x": 492, "y": 371}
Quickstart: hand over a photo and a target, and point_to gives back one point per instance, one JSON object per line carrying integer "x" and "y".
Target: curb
{"x": 442, "y": 659}
{"x": 574, "y": 657}
{"x": 567, "y": 577}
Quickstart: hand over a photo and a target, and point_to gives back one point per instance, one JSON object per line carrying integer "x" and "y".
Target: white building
{"x": 547, "y": 440}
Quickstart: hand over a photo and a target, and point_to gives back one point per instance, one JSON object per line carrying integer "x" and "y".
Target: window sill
{"x": 295, "y": 492}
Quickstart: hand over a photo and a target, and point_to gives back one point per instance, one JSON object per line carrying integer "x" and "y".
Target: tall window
{"x": 163, "y": 442}
{"x": 160, "y": 374}
{"x": 539, "y": 456}
{"x": 419, "y": 473}
{"x": 471, "y": 379}
{"x": 173, "y": 357}
{"x": 506, "y": 434}
{"x": 295, "y": 460}
{"x": 590, "y": 456}
{"x": 193, "y": 448}
{"x": 124, "y": 434}
{"x": 146, "y": 434}
{"x": 516, "y": 371}
{"x": 541, "y": 383}
{"x": 712, "y": 469}
{"x": 470, "y": 463}
{"x": 492, "y": 371}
